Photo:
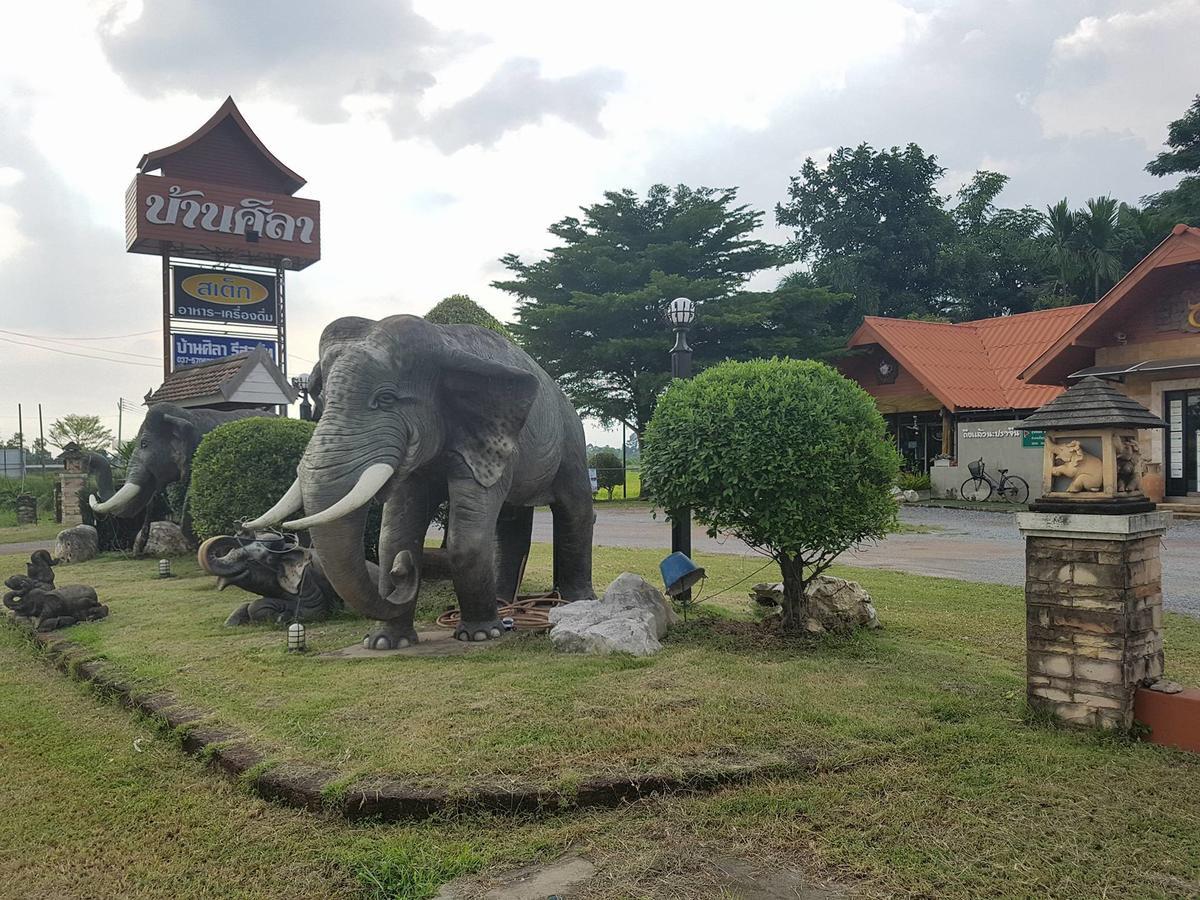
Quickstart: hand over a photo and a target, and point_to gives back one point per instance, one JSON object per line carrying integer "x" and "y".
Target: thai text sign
{"x": 194, "y": 349}
{"x": 208, "y": 221}
{"x": 245, "y": 298}
{"x": 1033, "y": 439}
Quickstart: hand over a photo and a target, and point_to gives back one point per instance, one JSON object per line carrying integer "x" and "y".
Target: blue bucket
{"x": 679, "y": 573}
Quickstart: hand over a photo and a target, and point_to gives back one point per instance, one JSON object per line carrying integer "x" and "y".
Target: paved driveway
{"x": 971, "y": 545}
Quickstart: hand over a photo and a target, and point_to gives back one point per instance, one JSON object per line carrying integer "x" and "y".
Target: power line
{"x": 128, "y": 362}
{"x": 111, "y": 337}
{"x": 89, "y": 349}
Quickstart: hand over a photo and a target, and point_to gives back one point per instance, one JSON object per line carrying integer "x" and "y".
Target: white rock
{"x": 166, "y": 539}
{"x": 631, "y": 617}
{"x": 77, "y": 544}
{"x": 835, "y": 604}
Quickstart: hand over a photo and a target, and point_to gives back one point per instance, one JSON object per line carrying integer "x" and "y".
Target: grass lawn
{"x": 20, "y": 534}
{"x": 633, "y": 478}
{"x": 931, "y": 780}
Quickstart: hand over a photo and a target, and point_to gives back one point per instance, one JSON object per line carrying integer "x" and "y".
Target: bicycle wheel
{"x": 1014, "y": 489}
{"x": 975, "y": 489}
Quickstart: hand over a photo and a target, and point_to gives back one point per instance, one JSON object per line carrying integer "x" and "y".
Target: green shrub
{"x": 911, "y": 481}
{"x": 785, "y": 454}
{"x": 241, "y": 469}
{"x": 459, "y": 309}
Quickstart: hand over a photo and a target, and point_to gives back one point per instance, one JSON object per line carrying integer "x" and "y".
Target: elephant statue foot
{"x": 479, "y": 631}
{"x": 268, "y": 610}
{"x": 391, "y": 636}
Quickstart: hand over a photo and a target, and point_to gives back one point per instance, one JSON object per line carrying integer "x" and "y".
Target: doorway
{"x": 1181, "y": 409}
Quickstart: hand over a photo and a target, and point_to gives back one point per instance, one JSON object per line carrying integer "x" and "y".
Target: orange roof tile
{"x": 973, "y": 365}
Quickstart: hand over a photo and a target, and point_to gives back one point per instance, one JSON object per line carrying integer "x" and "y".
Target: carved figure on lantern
{"x": 1129, "y": 464}
{"x": 419, "y": 413}
{"x": 1085, "y": 471}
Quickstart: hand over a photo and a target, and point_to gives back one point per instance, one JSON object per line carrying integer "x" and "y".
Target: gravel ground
{"x": 968, "y": 544}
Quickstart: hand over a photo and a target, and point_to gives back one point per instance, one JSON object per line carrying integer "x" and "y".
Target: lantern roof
{"x": 1091, "y": 403}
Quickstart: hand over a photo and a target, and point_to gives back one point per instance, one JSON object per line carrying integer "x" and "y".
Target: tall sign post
{"x": 221, "y": 215}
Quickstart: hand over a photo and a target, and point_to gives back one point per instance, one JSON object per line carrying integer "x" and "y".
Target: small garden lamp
{"x": 296, "y": 638}
{"x": 164, "y": 568}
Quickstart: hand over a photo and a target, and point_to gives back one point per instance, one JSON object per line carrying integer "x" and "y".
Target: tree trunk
{"x": 795, "y": 604}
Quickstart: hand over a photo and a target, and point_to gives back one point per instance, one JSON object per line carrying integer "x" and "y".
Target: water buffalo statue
{"x": 288, "y": 577}
{"x": 419, "y": 413}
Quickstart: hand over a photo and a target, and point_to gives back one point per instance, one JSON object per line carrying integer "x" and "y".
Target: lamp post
{"x": 681, "y": 314}
{"x": 300, "y": 383}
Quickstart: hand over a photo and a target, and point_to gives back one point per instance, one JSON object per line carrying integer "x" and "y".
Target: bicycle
{"x": 979, "y": 487}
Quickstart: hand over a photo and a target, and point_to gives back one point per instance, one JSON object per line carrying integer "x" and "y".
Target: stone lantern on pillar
{"x": 73, "y": 480}
{"x": 1093, "y": 576}
{"x": 1092, "y": 459}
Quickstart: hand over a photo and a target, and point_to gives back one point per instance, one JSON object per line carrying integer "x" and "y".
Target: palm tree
{"x": 1060, "y": 232}
{"x": 1098, "y": 241}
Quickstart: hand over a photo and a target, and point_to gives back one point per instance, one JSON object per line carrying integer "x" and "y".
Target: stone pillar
{"x": 26, "y": 509}
{"x": 73, "y": 480}
{"x": 1093, "y": 612}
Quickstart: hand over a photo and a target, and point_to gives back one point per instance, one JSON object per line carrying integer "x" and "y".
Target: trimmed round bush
{"x": 609, "y": 471}
{"x": 241, "y": 469}
{"x": 785, "y": 454}
{"x": 459, "y": 309}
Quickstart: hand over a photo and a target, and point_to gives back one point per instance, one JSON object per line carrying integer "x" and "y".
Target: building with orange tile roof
{"x": 951, "y": 391}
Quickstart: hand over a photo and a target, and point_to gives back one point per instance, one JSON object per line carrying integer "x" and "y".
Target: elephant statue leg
{"x": 474, "y": 511}
{"x": 407, "y": 513}
{"x": 573, "y": 521}
{"x": 514, "y": 530}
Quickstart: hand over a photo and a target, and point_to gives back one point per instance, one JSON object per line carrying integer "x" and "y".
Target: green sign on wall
{"x": 1033, "y": 439}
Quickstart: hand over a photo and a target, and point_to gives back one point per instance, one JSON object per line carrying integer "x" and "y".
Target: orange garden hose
{"x": 529, "y": 612}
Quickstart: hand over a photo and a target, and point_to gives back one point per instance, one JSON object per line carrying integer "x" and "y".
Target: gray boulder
{"x": 631, "y": 617}
{"x": 166, "y": 540}
{"x": 77, "y": 544}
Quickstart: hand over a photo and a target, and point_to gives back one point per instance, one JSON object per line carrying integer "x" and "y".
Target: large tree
{"x": 1181, "y": 203}
{"x": 86, "y": 431}
{"x": 591, "y": 310}
{"x": 872, "y": 223}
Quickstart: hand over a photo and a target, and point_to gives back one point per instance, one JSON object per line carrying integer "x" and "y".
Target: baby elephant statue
{"x": 1085, "y": 471}
{"x": 288, "y": 577}
{"x": 52, "y": 607}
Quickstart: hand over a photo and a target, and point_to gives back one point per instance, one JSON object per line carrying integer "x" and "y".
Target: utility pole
{"x": 21, "y": 446}
{"x": 42, "y": 440}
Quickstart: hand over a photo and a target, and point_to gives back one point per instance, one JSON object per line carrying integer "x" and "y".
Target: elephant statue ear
{"x": 489, "y": 402}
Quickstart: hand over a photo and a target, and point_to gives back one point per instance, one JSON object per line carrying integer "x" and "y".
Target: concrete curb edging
{"x": 383, "y": 798}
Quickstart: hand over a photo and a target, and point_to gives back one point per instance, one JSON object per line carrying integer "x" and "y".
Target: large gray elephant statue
{"x": 287, "y": 576}
{"x": 163, "y": 454}
{"x": 418, "y": 413}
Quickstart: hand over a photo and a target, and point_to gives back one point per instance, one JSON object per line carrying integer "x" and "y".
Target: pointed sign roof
{"x": 224, "y": 150}
{"x": 1091, "y": 403}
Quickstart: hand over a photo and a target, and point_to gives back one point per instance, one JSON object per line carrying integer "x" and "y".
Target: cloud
{"x": 318, "y": 55}
{"x": 1128, "y": 73}
{"x": 517, "y": 94}
{"x": 966, "y": 87}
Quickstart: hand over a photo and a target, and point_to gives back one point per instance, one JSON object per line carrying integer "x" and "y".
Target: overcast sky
{"x": 440, "y": 134}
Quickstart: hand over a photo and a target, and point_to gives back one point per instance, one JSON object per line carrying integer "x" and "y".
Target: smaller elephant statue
{"x": 40, "y": 568}
{"x": 1085, "y": 471}
{"x": 52, "y": 607}
{"x": 288, "y": 577}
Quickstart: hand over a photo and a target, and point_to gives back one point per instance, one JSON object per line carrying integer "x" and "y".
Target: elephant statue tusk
{"x": 128, "y": 491}
{"x": 288, "y": 504}
{"x": 369, "y": 483}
